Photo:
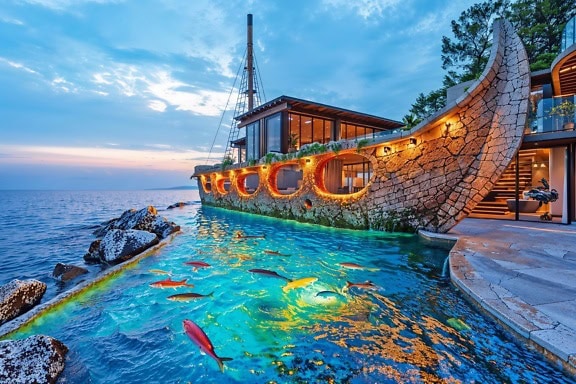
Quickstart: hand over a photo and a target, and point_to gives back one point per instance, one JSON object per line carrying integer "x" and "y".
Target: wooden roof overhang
{"x": 564, "y": 72}
{"x": 316, "y": 109}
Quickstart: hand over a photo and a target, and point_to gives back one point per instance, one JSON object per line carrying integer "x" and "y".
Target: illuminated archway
{"x": 206, "y": 183}
{"x": 285, "y": 179}
{"x": 223, "y": 183}
{"x": 247, "y": 182}
{"x": 344, "y": 174}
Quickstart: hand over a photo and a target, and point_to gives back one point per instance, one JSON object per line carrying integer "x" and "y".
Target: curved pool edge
{"x": 480, "y": 280}
{"x": 14, "y": 325}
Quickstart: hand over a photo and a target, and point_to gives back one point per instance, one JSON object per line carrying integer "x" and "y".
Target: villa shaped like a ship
{"x": 494, "y": 140}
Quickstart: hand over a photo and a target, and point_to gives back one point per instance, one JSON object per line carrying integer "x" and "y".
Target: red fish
{"x": 198, "y": 264}
{"x": 197, "y": 335}
{"x": 169, "y": 283}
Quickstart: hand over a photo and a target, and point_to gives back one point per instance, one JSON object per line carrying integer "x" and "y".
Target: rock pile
{"x": 132, "y": 233}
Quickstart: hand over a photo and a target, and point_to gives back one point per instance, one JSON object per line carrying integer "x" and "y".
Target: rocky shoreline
{"x": 120, "y": 242}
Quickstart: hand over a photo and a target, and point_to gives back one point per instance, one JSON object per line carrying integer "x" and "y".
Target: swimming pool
{"x": 292, "y": 319}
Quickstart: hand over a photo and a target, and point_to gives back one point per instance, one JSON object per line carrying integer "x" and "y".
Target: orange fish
{"x": 197, "y": 335}
{"x": 169, "y": 283}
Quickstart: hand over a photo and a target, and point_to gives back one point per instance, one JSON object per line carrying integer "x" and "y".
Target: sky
{"x": 132, "y": 94}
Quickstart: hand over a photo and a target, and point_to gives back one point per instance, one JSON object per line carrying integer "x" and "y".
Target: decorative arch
{"x": 285, "y": 179}
{"x": 343, "y": 174}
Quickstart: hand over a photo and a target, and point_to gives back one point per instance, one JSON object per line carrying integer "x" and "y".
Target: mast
{"x": 250, "y": 64}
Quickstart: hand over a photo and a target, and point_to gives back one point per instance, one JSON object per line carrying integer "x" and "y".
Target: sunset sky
{"x": 128, "y": 94}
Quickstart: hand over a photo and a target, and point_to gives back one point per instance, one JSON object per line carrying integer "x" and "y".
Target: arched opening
{"x": 286, "y": 179}
{"x": 247, "y": 183}
{"x": 223, "y": 184}
{"x": 206, "y": 183}
{"x": 344, "y": 174}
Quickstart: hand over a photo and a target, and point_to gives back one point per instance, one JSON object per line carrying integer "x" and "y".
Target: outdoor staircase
{"x": 505, "y": 188}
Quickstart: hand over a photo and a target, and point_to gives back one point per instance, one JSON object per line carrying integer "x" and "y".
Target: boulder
{"x": 37, "y": 359}
{"x": 64, "y": 272}
{"x": 145, "y": 219}
{"x": 179, "y": 204}
{"x": 119, "y": 245}
{"x": 17, "y": 297}
{"x": 93, "y": 255}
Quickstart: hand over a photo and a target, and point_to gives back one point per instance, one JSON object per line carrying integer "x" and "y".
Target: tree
{"x": 466, "y": 55}
{"x": 539, "y": 24}
{"x": 426, "y": 105}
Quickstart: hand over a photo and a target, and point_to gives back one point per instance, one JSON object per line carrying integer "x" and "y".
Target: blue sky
{"x": 128, "y": 94}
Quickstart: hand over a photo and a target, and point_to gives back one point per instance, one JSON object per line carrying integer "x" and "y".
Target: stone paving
{"x": 524, "y": 274}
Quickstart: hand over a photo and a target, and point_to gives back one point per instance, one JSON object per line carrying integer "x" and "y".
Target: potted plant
{"x": 566, "y": 111}
{"x": 292, "y": 142}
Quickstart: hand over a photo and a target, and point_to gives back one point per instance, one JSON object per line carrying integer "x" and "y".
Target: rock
{"x": 145, "y": 219}
{"x": 65, "y": 272}
{"x": 17, "y": 297}
{"x": 37, "y": 359}
{"x": 179, "y": 204}
{"x": 119, "y": 245}
{"x": 93, "y": 255}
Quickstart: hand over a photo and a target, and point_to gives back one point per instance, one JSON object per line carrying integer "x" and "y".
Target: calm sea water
{"x": 413, "y": 328}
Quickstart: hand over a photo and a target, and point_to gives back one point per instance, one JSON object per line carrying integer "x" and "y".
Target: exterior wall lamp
{"x": 447, "y": 125}
{"x": 387, "y": 150}
{"x": 307, "y": 160}
{"x": 412, "y": 141}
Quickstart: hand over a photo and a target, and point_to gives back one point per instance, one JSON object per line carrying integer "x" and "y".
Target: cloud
{"x": 16, "y": 65}
{"x": 367, "y": 9}
{"x": 9, "y": 20}
{"x": 61, "y": 5}
{"x": 158, "y": 157}
{"x": 157, "y": 105}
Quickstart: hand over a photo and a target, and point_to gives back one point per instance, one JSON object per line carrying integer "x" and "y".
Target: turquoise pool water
{"x": 413, "y": 327}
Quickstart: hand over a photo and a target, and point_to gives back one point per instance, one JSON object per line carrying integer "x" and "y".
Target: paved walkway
{"x": 524, "y": 274}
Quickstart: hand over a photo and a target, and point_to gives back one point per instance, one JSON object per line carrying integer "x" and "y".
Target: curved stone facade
{"x": 434, "y": 174}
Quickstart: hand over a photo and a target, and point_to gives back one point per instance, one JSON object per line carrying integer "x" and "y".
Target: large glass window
{"x": 351, "y": 131}
{"x": 274, "y": 133}
{"x": 253, "y": 141}
{"x": 310, "y": 129}
{"x": 569, "y": 34}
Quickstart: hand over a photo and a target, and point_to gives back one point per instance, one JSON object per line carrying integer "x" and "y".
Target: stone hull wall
{"x": 457, "y": 157}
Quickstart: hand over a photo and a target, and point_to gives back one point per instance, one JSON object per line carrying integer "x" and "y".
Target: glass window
{"x": 274, "y": 133}
{"x": 253, "y": 141}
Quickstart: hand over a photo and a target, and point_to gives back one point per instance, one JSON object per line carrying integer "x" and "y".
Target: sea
{"x": 285, "y": 302}
{"x": 43, "y": 228}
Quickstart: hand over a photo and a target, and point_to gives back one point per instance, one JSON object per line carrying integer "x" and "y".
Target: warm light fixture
{"x": 542, "y": 165}
{"x": 307, "y": 160}
{"x": 387, "y": 150}
{"x": 412, "y": 141}
{"x": 447, "y": 125}
{"x": 535, "y": 165}
{"x": 264, "y": 167}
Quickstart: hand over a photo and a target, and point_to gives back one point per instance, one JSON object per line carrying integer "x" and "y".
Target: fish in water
{"x": 168, "y": 283}
{"x": 268, "y": 273}
{"x": 299, "y": 283}
{"x": 365, "y": 285}
{"x": 269, "y": 252}
{"x": 188, "y": 296}
{"x": 240, "y": 235}
{"x": 198, "y": 264}
{"x": 197, "y": 335}
{"x": 357, "y": 266}
{"x": 159, "y": 272}
{"x": 458, "y": 324}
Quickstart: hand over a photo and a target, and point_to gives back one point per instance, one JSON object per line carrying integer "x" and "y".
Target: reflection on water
{"x": 361, "y": 307}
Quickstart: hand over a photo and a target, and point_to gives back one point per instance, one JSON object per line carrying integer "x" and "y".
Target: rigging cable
{"x": 226, "y": 107}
